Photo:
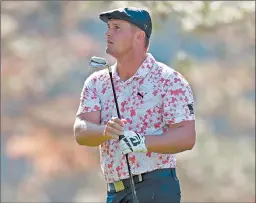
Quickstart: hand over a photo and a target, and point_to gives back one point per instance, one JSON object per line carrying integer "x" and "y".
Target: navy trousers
{"x": 159, "y": 186}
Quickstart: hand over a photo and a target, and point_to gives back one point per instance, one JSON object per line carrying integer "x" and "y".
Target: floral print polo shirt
{"x": 154, "y": 97}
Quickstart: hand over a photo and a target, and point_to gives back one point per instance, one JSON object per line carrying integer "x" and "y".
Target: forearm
{"x": 171, "y": 142}
{"x": 89, "y": 134}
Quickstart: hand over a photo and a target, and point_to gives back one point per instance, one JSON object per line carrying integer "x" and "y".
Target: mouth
{"x": 109, "y": 42}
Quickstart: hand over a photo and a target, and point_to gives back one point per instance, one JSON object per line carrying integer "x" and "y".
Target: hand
{"x": 132, "y": 142}
{"x": 114, "y": 128}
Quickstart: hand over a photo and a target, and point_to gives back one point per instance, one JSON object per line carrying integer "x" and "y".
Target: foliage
{"x": 44, "y": 64}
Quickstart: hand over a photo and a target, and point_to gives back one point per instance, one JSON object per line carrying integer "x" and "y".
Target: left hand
{"x": 132, "y": 142}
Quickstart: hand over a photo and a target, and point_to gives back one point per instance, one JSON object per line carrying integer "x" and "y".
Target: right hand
{"x": 114, "y": 128}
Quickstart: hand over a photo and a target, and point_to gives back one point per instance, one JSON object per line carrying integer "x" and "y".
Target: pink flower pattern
{"x": 154, "y": 97}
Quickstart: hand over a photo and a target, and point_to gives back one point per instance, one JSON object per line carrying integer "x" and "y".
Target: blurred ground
{"x": 46, "y": 47}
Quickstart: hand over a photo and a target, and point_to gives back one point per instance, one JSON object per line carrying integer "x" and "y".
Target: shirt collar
{"x": 142, "y": 71}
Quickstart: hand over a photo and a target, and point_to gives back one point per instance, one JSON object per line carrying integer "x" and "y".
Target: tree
{"x": 44, "y": 55}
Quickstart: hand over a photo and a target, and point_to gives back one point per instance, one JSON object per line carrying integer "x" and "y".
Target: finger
{"x": 118, "y": 121}
{"x": 124, "y": 121}
{"x": 126, "y": 151}
{"x": 114, "y": 131}
{"x": 113, "y": 136}
{"x": 115, "y": 125}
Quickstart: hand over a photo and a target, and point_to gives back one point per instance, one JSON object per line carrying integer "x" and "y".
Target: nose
{"x": 108, "y": 34}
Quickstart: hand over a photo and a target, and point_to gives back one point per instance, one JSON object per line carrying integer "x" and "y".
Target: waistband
{"x": 123, "y": 184}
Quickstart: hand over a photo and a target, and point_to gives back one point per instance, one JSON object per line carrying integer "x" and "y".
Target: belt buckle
{"x": 119, "y": 186}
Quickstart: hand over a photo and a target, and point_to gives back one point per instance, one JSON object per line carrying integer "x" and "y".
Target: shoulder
{"x": 170, "y": 74}
{"x": 98, "y": 75}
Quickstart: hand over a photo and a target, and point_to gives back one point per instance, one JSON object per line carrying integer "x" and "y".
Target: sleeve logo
{"x": 191, "y": 109}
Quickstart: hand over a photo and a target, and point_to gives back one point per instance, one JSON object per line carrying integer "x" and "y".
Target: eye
{"x": 117, "y": 27}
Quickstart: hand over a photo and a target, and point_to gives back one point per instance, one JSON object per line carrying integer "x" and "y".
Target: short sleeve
{"x": 178, "y": 101}
{"x": 89, "y": 99}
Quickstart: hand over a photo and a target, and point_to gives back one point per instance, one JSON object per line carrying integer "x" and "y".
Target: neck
{"x": 128, "y": 64}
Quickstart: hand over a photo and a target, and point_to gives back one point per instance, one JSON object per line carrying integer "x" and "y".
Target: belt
{"x": 123, "y": 184}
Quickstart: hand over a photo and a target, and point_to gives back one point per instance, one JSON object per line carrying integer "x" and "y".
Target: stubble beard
{"x": 111, "y": 52}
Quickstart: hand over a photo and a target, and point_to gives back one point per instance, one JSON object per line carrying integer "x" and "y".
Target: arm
{"x": 87, "y": 129}
{"x": 178, "y": 115}
{"x": 178, "y": 138}
{"x": 180, "y": 119}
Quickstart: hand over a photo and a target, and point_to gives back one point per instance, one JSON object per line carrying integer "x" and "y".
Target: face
{"x": 120, "y": 37}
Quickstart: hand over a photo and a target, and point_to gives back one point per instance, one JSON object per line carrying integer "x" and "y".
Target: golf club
{"x": 97, "y": 62}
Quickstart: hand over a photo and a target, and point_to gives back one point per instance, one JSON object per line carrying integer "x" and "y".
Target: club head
{"x": 97, "y": 62}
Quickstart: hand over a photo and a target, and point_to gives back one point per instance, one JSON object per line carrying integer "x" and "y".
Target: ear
{"x": 140, "y": 35}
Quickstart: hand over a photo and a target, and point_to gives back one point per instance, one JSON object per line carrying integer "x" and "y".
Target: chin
{"x": 110, "y": 52}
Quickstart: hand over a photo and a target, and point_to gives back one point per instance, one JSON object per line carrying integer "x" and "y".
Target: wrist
{"x": 144, "y": 138}
{"x": 147, "y": 142}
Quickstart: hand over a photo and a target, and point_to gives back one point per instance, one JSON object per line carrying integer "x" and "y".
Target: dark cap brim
{"x": 105, "y": 17}
{"x": 122, "y": 15}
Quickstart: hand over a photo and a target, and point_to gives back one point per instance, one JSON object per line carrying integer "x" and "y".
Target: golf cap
{"x": 136, "y": 16}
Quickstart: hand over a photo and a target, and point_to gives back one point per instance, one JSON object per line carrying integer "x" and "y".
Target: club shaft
{"x": 134, "y": 196}
{"x": 114, "y": 92}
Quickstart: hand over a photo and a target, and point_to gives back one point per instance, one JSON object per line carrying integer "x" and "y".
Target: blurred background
{"x": 46, "y": 47}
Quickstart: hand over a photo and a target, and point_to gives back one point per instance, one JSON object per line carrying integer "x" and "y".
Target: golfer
{"x": 157, "y": 113}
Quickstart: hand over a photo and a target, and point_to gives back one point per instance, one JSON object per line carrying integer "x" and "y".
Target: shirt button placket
{"x": 119, "y": 92}
{"x": 122, "y": 94}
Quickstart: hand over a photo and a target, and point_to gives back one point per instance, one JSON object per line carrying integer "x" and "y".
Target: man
{"x": 156, "y": 106}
